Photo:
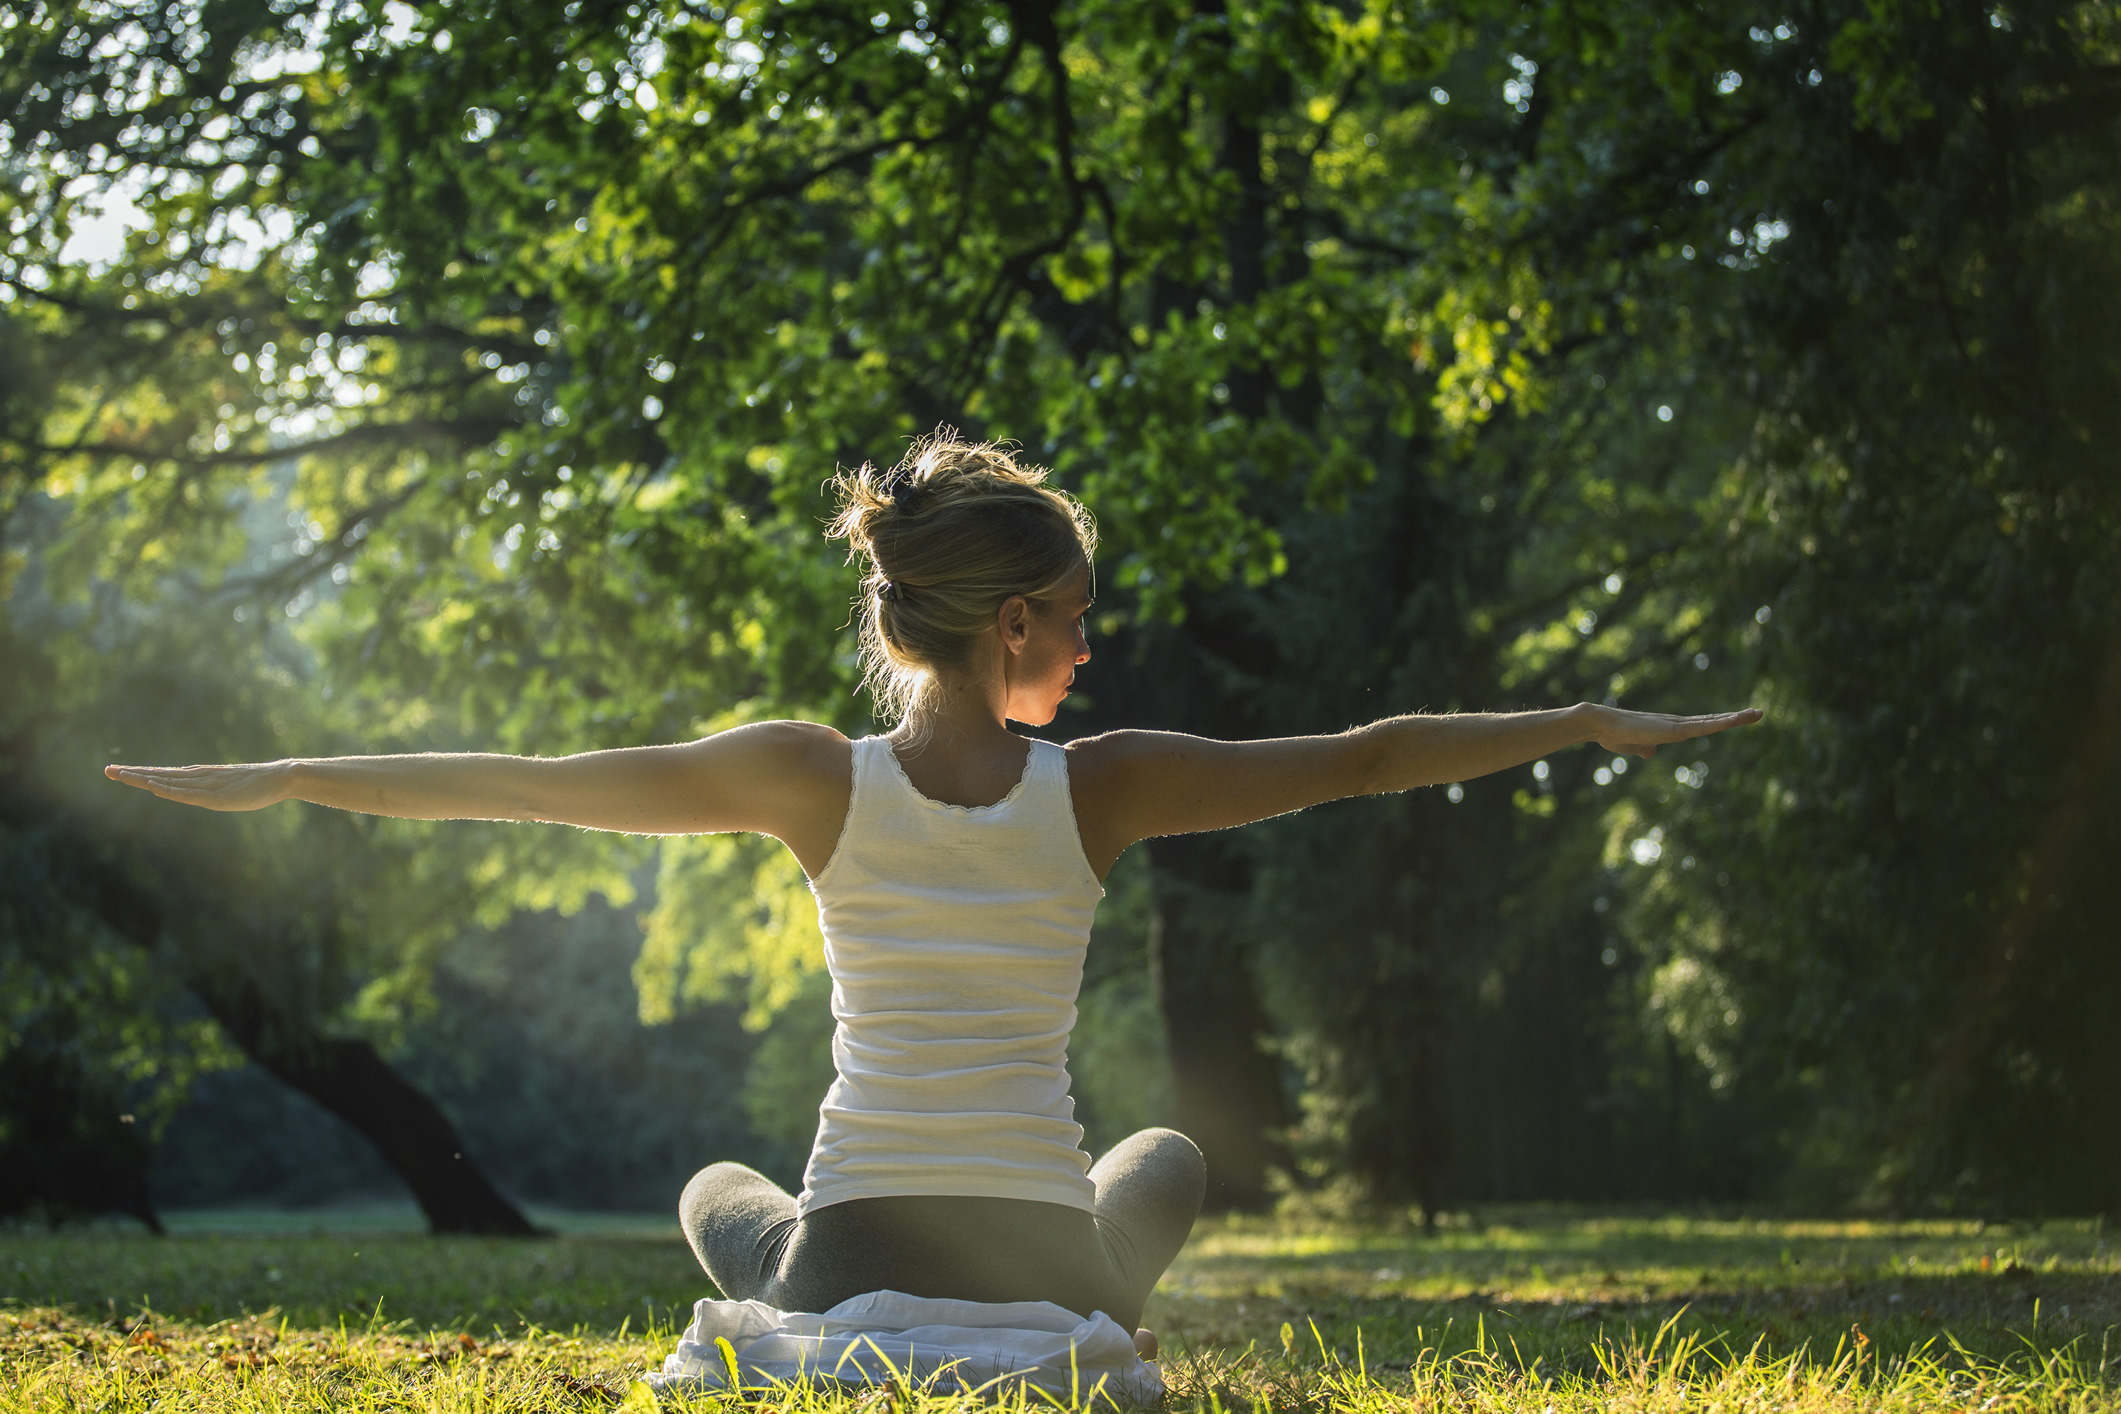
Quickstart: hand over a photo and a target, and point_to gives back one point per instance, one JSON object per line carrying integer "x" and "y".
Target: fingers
{"x": 153, "y": 785}
{"x": 1646, "y": 731}
{"x": 1725, "y": 721}
{"x": 127, "y": 776}
{"x": 187, "y": 785}
{"x": 1687, "y": 728}
{"x": 146, "y": 778}
{"x": 172, "y": 775}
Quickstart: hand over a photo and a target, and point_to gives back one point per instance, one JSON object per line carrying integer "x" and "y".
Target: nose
{"x": 1082, "y": 648}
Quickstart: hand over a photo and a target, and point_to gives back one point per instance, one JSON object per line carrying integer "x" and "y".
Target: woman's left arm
{"x": 1137, "y": 785}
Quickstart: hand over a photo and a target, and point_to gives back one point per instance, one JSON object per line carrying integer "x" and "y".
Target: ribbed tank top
{"x": 954, "y": 936}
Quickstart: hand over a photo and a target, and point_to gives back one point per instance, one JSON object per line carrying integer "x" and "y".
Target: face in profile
{"x": 1040, "y": 673}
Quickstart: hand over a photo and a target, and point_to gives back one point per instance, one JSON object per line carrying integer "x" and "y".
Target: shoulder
{"x": 788, "y": 779}
{"x": 1136, "y": 784}
{"x": 1114, "y": 779}
{"x": 1132, "y": 761}
{"x": 784, "y": 748}
{"x": 799, "y": 738}
{"x": 1094, "y": 756}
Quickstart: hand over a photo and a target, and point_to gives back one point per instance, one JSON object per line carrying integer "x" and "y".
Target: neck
{"x": 963, "y": 710}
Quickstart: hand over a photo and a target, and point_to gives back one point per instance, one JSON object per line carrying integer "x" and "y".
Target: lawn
{"x": 1544, "y": 1311}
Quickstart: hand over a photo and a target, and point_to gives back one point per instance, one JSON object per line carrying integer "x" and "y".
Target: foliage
{"x": 95, "y": 1055}
{"x": 1118, "y": 1055}
{"x": 732, "y": 912}
{"x": 532, "y": 1043}
{"x": 1410, "y": 358}
{"x": 535, "y": 1042}
{"x": 1889, "y": 441}
{"x": 300, "y": 924}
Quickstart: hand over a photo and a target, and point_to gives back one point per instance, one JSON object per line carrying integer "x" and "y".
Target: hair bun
{"x": 902, "y": 490}
{"x": 944, "y": 537}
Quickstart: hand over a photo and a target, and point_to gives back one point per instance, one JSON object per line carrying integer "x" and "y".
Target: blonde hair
{"x": 945, "y": 537}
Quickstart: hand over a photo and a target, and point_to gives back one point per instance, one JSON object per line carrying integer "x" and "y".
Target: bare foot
{"x": 1145, "y": 1343}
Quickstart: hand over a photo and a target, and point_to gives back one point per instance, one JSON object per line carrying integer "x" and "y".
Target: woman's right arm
{"x": 777, "y": 778}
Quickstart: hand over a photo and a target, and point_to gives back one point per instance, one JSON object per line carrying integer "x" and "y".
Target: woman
{"x": 957, "y": 866}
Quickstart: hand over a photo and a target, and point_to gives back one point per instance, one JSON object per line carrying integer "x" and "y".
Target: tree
{"x": 289, "y": 932}
{"x": 1547, "y": 344}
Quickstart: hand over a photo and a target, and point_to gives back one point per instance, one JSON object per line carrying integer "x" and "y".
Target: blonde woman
{"x": 957, "y": 866}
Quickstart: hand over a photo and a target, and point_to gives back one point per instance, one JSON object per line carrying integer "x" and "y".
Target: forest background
{"x": 464, "y": 375}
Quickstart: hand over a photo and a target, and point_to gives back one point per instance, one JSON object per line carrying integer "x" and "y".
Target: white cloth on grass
{"x": 949, "y": 1346}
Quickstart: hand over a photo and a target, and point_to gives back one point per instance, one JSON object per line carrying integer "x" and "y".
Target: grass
{"x": 1541, "y": 1311}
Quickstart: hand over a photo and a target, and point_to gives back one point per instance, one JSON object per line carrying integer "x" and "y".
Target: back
{"x": 955, "y": 938}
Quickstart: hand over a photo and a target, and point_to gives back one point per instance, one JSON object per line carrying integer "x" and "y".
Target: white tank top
{"x": 955, "y": 937}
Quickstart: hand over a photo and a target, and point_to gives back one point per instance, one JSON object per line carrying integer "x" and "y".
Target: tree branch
{"x": 464, "y": 432}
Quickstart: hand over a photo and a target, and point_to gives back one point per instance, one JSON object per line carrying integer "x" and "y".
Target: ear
{"x": 1013, "y": 621}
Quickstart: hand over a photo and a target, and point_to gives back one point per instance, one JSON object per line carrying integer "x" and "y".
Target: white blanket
{"x": 947, "y": 1346}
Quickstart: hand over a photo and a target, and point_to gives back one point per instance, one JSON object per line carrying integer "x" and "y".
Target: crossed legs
{"x": 744, "y": 1229}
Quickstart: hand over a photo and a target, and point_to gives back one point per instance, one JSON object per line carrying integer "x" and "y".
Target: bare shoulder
{"x": 1132, "y": 785}
{"x": 1136, "y": 762}
{"x": 813, "y": 743}
{"x": 1123, "y": 750}
{"x": 1111, "y": 776}
{"x": 793, "y": 780}
{"x": 1116, "y": 757}
{"x": 784, "y": 773}
{"x": 787, "y": 748}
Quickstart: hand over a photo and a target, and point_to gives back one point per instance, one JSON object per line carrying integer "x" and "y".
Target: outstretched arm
{"x": 1136, "y": 785}
{"x": 768, "y": 777}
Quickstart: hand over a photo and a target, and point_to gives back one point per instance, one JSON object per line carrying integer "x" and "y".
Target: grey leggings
{"x": 744, "y": 1229}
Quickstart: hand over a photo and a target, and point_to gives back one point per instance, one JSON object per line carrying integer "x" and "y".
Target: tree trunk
{"x": 345, "y": 1075}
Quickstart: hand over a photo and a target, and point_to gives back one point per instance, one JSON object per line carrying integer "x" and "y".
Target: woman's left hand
{"x": 1641, "y": 733}
{"x": 243, "y": 787}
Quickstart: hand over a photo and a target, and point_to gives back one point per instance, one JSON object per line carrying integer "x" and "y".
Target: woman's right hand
{"x": 243, "y": 787}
